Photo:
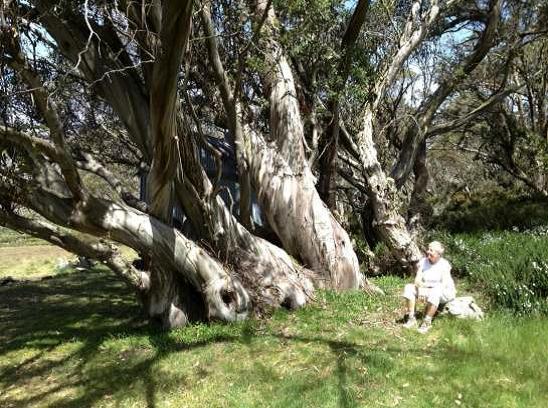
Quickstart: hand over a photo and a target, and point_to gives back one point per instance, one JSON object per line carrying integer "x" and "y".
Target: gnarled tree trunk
{"x": 283, "y": 181}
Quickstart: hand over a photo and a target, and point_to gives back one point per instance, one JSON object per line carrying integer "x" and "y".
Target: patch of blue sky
{"x": 350, "y": 4}
{"x": 37, "y": 42}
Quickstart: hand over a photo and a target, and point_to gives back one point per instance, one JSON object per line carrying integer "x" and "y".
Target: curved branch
{"x": 413, "y": 139}
{"x": 90, "y": 164}
{"x": 410, "y": 39}
{"x": 105, "y": 64}
{"x": 30, "y": 143}
{"x": 98, "y": 250}
{"x": 48, "y": 108}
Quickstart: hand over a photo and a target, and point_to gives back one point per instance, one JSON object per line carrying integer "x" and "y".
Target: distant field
{"x": 10, "y": 238}
{"x": 26, "y": 257}
{"x": 31, "y": 261}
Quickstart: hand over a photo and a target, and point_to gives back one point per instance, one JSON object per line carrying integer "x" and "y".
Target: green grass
{"x": 78, "y": 340}
{"x": 10, "y": 238}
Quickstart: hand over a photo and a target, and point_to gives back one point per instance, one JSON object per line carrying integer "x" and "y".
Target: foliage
{"x": 492, "y": 211}
{"x": 509, "y": 138}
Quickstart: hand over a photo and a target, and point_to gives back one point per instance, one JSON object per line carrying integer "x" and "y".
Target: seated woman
{"x": 433, "y": 283}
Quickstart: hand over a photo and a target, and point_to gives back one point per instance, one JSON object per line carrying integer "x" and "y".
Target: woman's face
{"x": 433, "y": 256}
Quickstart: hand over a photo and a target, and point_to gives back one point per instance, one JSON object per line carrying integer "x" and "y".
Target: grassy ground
{"x": 31, "y": 262}
{"x": 76, "y": 339}
{"x": 9, "y": 238}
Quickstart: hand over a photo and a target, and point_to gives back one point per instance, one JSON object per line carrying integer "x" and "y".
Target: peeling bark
{"x": 284, "y": 183}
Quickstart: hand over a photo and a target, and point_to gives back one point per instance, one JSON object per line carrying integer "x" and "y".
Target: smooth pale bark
{"x": 284, "y": 183}
{"x": 262, "y": 176}
{"x": 381, "y": 189}
{"x": 383, "y": 199}
{"x": 164, "y": 105}
{"x": 177, "y": 300}
{"x": 295, "y": 211}
{"x": 217, "y": 294}
{"x": 185, "y": 282}
{"x": 276, "y": 279}
{"x": 272, "y": 277}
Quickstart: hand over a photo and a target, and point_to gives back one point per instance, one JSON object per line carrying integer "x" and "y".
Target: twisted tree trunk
{"x": 383, "y": 199}
{"x": 283, "y": 181}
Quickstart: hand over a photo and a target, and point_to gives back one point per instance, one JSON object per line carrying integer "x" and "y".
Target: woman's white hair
{"x": 437, "y": 247}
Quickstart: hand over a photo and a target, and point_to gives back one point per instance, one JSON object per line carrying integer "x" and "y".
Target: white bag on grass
{"x": 464, "y": 307}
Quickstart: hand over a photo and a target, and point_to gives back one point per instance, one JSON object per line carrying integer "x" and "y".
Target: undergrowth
{"x": 493, "y": 212}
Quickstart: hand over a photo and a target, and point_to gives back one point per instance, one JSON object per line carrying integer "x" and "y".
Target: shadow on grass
{"x": 346, "y": 354}
{"x": 385, "y": 359}
{"x": 88, "y": 309}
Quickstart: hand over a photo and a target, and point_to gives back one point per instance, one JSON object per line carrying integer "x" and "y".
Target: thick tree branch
{"x": 414, "y": 33}
{"x": 164, "y": 104}
{"x": 29, "y": 143}
{"x": 98, "y": 250}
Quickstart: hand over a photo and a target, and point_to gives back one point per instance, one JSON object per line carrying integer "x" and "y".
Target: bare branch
{"x": 29, "y": 143}
{"x": 411, "y": 38}
{"x": 413, "y": 139}
{"x": 91, "y": 165}
{"x": 449, "y": 126}
{"x": 48, "y": 109}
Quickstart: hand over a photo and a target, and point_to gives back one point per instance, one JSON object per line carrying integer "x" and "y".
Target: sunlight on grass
{"x": 83, "y": 348}
{"x": 32, "y": 262}
{"x": 10, "y": 238}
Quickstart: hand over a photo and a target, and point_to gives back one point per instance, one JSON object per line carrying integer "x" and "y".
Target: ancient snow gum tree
{"x": 134, "y": 61}
{"x": 97, "y": 93}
